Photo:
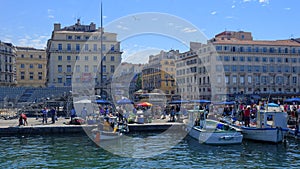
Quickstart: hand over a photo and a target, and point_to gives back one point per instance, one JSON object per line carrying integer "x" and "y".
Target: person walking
{"x": 53, "y": 113}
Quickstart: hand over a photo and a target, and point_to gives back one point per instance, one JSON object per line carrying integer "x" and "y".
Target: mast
{"x": 101, "y": 52}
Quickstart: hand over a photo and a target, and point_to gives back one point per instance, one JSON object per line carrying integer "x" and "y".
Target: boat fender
{"x": 97, "y": 138}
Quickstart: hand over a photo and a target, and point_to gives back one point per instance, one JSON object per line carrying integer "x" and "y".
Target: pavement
{"x": 33, "y": 122}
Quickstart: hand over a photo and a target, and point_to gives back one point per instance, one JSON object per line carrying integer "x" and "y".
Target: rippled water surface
{"x": 78, "y": 151}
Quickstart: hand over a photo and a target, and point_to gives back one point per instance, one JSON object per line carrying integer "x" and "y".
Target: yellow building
{"x": 160, "y": 73}
{"x": 31, "y": 67}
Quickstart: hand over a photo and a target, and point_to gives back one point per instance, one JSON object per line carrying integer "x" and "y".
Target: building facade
{"x": 31, "y": 67}
{"x": 239, "y": 65}
{"x": 75, "y": 54}
{"x": 7, "y": 64}
{"x": 159, "y": 73}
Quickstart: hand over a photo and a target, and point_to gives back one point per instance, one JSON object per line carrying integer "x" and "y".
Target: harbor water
{"x": 79, "y": 151}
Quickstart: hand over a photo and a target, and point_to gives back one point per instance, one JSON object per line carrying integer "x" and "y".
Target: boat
{"x": 212, "y": 132}
{"x": 270, "y": 126}
{"x": 109, "y": 129}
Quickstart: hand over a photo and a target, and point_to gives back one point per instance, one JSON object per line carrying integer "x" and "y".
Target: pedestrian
{"x": 247, "y": 117}
{"x": 53, "y": 113}
{"x": 23, "y": 120}
{"x": 45, "y": 115}
{"x": 73, "y": 114}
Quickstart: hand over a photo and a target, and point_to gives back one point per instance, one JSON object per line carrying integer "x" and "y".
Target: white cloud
{"x": 36, "y": 41}
{"x": 264, "y": 1}
{"x": 233, "y": 6}
{"x": 213, "y": 12}
{"x": 189, "y": 30}
{"x": 104, "y": 17}
{"x": 229, "y": 17}
{"x": 122, "y": 27}
{"x": 50, "y": 13}
{"x": 287, "y": 9}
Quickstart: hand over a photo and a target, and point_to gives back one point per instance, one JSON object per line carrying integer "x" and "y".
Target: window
{"x": 249, "y": 59}
{"x": 242, "y": 79}
{"x": 112, "y": 47}
{"x": 31, "y": 66}
{"x": 294, "y": 80}
{"x": 31, "y": 56}
{"x": 104, "y": 68}
{"x": 271, "y": 59}
{"x": 242, "y": 58}
{"x": 22, "y": 66}
{"x": 279, "y": 60}
{"x": 264, "y": 59}
{"x": 242, "y": 68}
{"x": 219, "y": 68}
{"x": 234, "y": 58}
{"x": 40, "y": 66}
{"x": 40, "y": 56}
{"x": 77, "y": 47}
{"x": 219, "y": 58}
{"x": 69, "y": 68}
{"x": 257, "y": 68}
{"x": 249, "y": 79}
{"x": 234, "y": 79}
{"x": 59, "y": 68}
{"x": 95, "y": 47}
{"x": 95, "y": 68}
{"x": 271, "y": 68}
{"x": 264, "y": 79}
{"x": 22, "y": 56}
{"x": 59, "y": 80}
{"x": 31, "y": 75}
{"x": 226, "y": 58}
{"x": 77, "y": 68}
{"x": 264, "y": 68}
{"x": 218, "y": 48}
{"x": 279, "y": 69}
{"x": 286, "y": 69}
{"x": 265, "y": 49}
{"x": 77, "y": 57}
{"x": 226, "y": 68}
{"x": 112, "y": 58}
{"x": 233, "y": 68}
{"x": 227, "y": 79}
{"x": 103, "y": 47}
{"x": 68, "y": 58}
{"x": 249, "y": 68}
{"x": 112, "y": 68}
{"x": 78, "y": 37}
{"x": 95, "y": 58}
{"x": 86, "y": 58}
{"x": 68, "y": 46}
{"x": 86, "y": 68}
{"x": 40, "y": 75}
{"x": 22, "y": 75}
{"x": 59, "y": 58}
{"x": 257, "y": 59}
{"x": 249, "y": 49}
{"x": 69, "y": 37}
{"x": 59, "y": 46}
{"x": 86, "y": 47}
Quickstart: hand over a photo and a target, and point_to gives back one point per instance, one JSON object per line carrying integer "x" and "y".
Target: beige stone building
{"x": 31, "y": 67}
{"x": 233, "y": 64}
{"x": 7, "y": 64}
{"x": 75, "y": 55}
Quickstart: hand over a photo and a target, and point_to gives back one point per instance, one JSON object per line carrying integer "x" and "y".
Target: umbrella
{"x": 144, "y": 104}
{"x": 226, "y": 102}
{"x": 200, "y": 101}
{"x": 84, "y": 101}
{"x": 99, "y": 101}
{"x": 125, "y": 101}
{"x": 273, "y": 105}
{"x": 178, "y": 102}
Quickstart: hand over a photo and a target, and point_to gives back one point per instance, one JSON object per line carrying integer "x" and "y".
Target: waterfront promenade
{"x": 61, "y": 126}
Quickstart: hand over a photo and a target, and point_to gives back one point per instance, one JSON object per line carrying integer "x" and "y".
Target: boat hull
{"x": 215, "y": 137}
{"x": 274, "y": 135}
{"x": 105, "y": 135}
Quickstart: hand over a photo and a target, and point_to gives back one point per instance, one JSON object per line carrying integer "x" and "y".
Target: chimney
{"x": 56, "y": 26}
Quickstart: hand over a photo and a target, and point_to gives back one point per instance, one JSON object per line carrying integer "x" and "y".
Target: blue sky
{"x": 30, "y": 22}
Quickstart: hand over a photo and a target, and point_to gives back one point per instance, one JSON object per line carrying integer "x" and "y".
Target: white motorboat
{"x": 271, "y": 125}
{"x": 209, "y": 131}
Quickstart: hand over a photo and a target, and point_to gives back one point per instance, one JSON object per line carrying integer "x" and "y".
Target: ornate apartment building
{"x": 159, "y": 73}
{"x": 232, "y": 63}
{"x": 7, "y": 64}
{"x": 31, "y": 67}
{"x": 75, "y": 55}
